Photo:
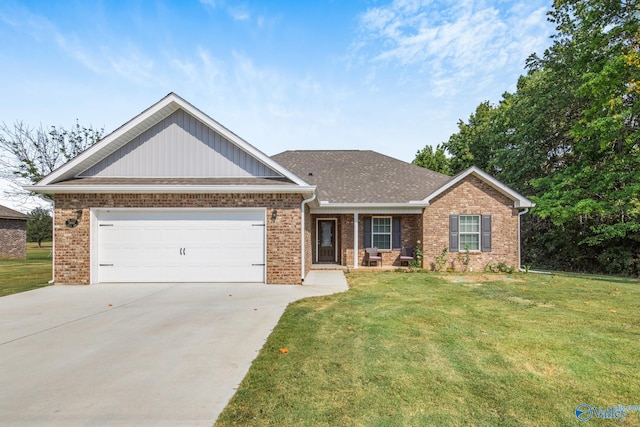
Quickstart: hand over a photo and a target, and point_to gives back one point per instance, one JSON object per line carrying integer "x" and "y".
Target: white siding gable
{"x": 179, "y": 146}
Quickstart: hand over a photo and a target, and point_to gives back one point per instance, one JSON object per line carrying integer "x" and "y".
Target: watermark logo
{"x": 584, "y": 412}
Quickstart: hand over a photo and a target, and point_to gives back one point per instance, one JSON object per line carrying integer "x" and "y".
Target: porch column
{"x": 355, "y": 240}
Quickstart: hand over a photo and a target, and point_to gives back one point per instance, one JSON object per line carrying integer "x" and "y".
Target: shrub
{"x": 501, "y": 267}
{"x": 441, "y": 260}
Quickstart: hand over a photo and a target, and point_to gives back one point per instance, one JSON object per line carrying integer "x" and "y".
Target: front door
{"x": 326, "y": 240}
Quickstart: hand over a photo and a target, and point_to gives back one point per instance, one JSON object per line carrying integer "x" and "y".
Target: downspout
{"x": 302, "y": 251}
{"x": 519, "y": 242}
{"x": 53, "y": 245}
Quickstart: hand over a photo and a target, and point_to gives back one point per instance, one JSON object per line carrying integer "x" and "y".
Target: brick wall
{"x": 72, "y": 245}
{"x": 346, "y": 239}
{"x": 472, "y": 196}
{"x": 13, "y": 238}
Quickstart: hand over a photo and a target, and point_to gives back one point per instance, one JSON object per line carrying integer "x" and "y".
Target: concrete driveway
{"x": 135, "y": 354}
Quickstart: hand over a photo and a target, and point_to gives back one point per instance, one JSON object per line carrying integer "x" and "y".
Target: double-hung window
{"x": 381, "y": 232}
{"x": 469, "y": 232}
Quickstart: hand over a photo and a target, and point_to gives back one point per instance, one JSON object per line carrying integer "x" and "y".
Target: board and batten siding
{"x": 179, "y": 146}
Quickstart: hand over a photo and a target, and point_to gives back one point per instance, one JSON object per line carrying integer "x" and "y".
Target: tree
{"x": 436, "y": 161}
{"x": 600, "y": 186}
{"x": 39, "y": 226}
{"x": 569, "y": 137}
{"x": 28, "y": 154}
{"x": 474, "y": 143}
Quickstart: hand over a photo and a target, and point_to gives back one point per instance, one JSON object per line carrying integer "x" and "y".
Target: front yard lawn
{"x": 19, "y": 275}
{"x": 402, "y": 349}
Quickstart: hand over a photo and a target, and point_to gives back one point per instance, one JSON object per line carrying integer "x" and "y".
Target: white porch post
{"x": 355, "y": 240}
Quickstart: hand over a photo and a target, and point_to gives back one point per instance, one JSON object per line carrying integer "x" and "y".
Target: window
{"x": 469, "y": 232}
{"x": 472, "y": 232}
{"x": 381, "y": 232}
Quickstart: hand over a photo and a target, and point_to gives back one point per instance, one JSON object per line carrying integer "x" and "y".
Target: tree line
{"x": 567, "y": 138}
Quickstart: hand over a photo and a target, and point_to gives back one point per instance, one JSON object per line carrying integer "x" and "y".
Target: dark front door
{"x": 326, "y": 241}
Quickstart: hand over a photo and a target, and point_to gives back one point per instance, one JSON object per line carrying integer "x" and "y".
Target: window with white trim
{"x": 381, "y": 232}
{"x": 469, "y": 232}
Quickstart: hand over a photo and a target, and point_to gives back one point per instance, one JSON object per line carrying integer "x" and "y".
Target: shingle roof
{"x": 6, "y": 213}
{"x": 354, "y": 176}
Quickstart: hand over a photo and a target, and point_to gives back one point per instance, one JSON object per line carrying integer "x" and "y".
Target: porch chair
{"x": 373, "y": 256}
{"x": 406, "y": 255}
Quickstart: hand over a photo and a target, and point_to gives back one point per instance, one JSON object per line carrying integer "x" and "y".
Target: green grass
{"x": 19, "y": 275}
{"x": 402, "y": 349}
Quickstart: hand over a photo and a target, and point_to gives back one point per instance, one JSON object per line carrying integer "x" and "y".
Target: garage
{"x": 178, "y": 245}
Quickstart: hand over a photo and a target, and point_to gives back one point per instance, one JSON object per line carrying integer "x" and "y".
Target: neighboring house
{"x": 173, "y": 196}
{"x": 13, "y": 233}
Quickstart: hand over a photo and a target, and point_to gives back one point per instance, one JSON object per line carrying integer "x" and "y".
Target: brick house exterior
{"x": 72, "y": 249}
{"x": 158, "y": 197}
{"x": 13, "y": 233}
{"x": 472, "y": 196}
{"x": 420, "y": 202}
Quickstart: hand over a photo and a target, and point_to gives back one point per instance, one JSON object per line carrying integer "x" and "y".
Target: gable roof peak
{"x": 519, "y": 200}
{"x": 144, "y": 121}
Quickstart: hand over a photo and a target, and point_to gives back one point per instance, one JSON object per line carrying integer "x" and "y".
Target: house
{"x": 13, "y": 233}
{"x": 174, "y": 196}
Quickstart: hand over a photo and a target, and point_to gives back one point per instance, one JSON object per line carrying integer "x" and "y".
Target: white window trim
{"x": 478, "y": 233}
{"x": 390, "y": 233}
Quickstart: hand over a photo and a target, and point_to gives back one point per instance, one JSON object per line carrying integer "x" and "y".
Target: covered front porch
{"x": 339, "y": 240}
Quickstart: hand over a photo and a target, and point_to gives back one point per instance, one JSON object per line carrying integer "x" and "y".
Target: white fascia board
{"x": 176, "y": 189}
{"x": 519, "y": 201}
{"x": 372, "y": 205}
{"x": 364, "y": 208}
{"x": 145, "y": 120}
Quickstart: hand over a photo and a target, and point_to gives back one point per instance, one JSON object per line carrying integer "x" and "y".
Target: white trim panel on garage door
{"x": 178, "y": 245}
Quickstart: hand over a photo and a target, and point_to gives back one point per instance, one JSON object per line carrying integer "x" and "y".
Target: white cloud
{"x": 125, "y": 59}
{"x": 450, "y": 42}
{"x": 200, "y": 71}
{"x": 238, "y": 12}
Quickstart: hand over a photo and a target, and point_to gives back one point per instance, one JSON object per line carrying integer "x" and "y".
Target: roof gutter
{"x": 302, "y": 248}
{"x": 413, "y": 207}
{"x": 179, "y": 189}
{"x": 413, "y": 203}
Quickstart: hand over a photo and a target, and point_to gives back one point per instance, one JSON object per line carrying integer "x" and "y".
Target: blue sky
{"x": 391, "y": 76}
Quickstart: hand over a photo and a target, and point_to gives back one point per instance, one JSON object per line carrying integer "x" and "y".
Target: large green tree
{"x": 474, "y": 142}
{"x": 435, "y": 160}
{"x": 596, "y": 48}
{"x": 569, "y": 138}
{"x": 39, "y": 226}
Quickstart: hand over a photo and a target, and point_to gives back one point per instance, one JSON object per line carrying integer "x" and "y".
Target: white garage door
{"x": 223, "y": 245}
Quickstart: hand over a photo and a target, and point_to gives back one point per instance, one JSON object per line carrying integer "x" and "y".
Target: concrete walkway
{"x": 136, "y": 354}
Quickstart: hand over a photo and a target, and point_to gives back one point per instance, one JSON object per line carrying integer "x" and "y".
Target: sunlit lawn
{"x": 19, "y": 275}
{"x": 418, "y": 349}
